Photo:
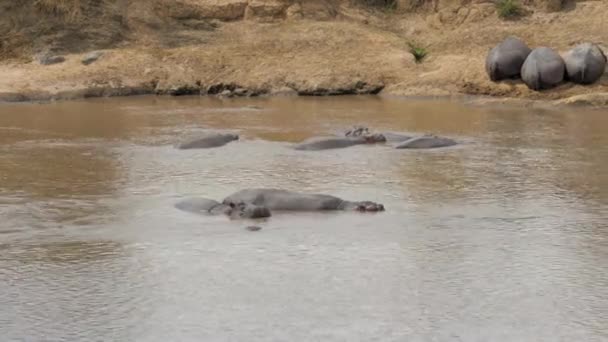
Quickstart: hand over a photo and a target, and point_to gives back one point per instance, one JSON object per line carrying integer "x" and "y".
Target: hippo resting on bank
{"x": 406, "y": 141}
{"x": 543, "y": 69}
{"x": 326, "y": 143}
{"x": 585, "y": 64}
{"x": 275, "y": 199}
{"x": 232, "y": 210}
{"x": 207, "y": 140}
{"x": 506, "y": 59}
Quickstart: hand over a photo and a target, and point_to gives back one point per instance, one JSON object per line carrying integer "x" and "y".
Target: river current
{"x": 501, "y": 238}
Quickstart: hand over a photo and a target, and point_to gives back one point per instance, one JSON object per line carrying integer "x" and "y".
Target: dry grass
{"x": 71, "y": 10}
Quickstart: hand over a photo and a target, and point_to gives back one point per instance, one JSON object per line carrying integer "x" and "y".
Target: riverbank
{"x": 355, "y": 51}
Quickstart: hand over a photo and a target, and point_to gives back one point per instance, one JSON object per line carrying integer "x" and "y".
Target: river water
{"x": 503, "y": 238}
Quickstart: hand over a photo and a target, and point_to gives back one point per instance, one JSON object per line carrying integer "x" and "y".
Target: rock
{"x": 178, "y": 88}
{"x": 266, "y": 9}
{"x": 283, "y": 91}
{"x": 91, "y": 57}
{"x": 320, "y": 9}
{"x": 253, "y": 228}
{"x": 226, "y": 93}
{"x": 48, "y": 59}
{"x": 594, "y": 99}
{"x": 205, "y": 9}
{"x": 218, "y": 89}
{"x": 240, "y": 91}
{"x": 294, "y": 12}
{"x": 356, "y": 88}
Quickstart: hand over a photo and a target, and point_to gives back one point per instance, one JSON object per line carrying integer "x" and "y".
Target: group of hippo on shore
{"x": 542, "y": 67}
{"x": 258, "y": 203}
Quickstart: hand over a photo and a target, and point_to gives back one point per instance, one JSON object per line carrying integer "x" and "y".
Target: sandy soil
{"x": 357, "y": 51}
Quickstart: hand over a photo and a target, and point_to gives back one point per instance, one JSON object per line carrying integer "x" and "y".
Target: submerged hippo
{"x": 275, "y": 199}
{"x": 232, "y": 210}
{"x": 207, "y": 140}
{"x": 326, "y": 143}
{"x": 506, "y": 59}
{"x": 405, "y": 140}
{"x": 585, "y": 63}
{"x": 358, "y": 131}
{"x": 543, "y": 69}
{"x": 426, "y": 141}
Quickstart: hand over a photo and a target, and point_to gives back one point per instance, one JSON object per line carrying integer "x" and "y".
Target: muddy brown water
{"x": 504, "y": 238}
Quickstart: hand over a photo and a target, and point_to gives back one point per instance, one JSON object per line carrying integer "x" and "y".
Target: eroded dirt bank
{"x": 254, "y": 47}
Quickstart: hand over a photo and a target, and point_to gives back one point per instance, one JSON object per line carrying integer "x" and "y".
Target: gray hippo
{"x": 207, "y": 140}
{"x": 585, "y": 63}
{"x": 426, "y": 141}
{"x": 326, "y": 143}
{"x": 405, "y": 140}
{"x": 275, "y": 199}
{"x": 358, "y": 131}
{"x": 543, "y": 69}
{"x": 506, "y": 59}
{"x": 232, "y": 210}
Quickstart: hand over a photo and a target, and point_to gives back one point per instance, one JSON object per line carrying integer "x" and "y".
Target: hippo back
{"x": 544, "y": 68}
{"x": 585, "y": 63}
{"x": 207, "y": 141}
{"x": 198, "y": 205}
{"x": 325, "y": 143}
{"x": 278, "y": 199}
{"x": 505, "y": 60}
{"x": 426, "y": 141}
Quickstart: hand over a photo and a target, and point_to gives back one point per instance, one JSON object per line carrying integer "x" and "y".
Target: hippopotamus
{"x": 276, "y": 199}
{"x": 232, "y": 210}
{"x": 207, "y": 140}
{"x": 506, "y": 59}
{"x": 426, "y": 141}
{"x": 358, "y": 131}
{"x": 585, "y": 63}
{"x": 543, "y": 69}
{"x": 405, "y": 140}
{"x": 326, "y": 143}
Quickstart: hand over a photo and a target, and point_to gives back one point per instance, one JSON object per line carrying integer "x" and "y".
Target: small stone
{"x": 48, "y": 59}
{"x": 253, "y": 228}
{"x": 226, "y": 93}
{"x": 240, "y": 91}
{"x": 92, "y": 57}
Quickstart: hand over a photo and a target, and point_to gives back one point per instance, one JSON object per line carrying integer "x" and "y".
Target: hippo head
{"x": 374, "y": 138}
{"x": 363, "y": 132}
{"x": 248, "y": 210}
{"x": 364, "y": 206}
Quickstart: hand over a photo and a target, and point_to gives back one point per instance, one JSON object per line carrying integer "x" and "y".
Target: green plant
{"x": 419, "y": 52}
{"x": 508, "y": 9}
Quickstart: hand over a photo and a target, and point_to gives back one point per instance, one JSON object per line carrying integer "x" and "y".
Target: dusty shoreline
{"x": 355, "y": 52}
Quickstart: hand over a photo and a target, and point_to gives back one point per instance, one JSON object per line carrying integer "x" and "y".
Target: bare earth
{"x": 320, "y": 51}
